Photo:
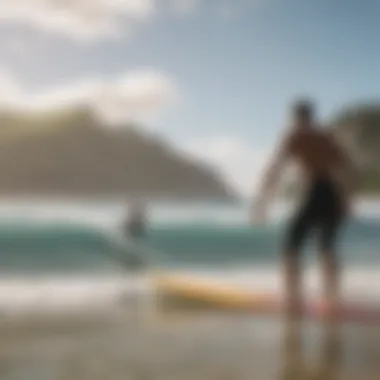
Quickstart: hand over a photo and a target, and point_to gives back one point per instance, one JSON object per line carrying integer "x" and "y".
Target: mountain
{"x": 357, "y": 128}
{"x": 71, "y": 153}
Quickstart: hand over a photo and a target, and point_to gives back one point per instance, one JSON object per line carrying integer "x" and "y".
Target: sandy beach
{"x": 207, "y": 345}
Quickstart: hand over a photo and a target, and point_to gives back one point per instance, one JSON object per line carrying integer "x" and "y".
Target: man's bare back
{"x": 315, "y": 152}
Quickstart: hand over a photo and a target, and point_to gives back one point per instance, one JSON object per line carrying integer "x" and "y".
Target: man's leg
{"x": 330, "y": 271}
{"x": 330, "y": 364}
{"x": 292, "y": 276}
{"x": 292, "y": 261}
{"x": 330, "y": 264}
{"x": 294, "y": 365}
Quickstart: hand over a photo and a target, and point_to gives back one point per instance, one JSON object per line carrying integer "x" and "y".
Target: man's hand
{"x": 271, "y": 177}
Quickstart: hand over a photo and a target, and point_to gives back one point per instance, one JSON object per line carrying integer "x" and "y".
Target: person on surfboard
{"x": 329, "y": 178}
{"x": 136, "y": 224}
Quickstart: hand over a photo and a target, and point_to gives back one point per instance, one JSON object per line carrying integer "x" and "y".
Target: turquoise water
{"x": 78, "y": 253}
{"x": 215, "y": 236}
{"x": 220, "y": 245}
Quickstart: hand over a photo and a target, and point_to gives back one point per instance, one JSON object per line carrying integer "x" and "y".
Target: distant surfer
{"x": 329, "y": 178}
{"x": 135, "y": 225}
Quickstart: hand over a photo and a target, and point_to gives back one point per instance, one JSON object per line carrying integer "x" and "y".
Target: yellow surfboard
{"x": 189, "y": 290}
{"x": 213, "y": 294}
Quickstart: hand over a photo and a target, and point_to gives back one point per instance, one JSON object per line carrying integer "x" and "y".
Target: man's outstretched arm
{"x": 271, "y": 178}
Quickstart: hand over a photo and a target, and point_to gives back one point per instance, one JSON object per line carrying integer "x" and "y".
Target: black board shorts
{"x": 322, "y": 210}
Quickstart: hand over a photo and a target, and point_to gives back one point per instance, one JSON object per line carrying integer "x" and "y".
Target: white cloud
{"x": 89, "y": 20}
{"x": 240, "y": 162}
{"x": 138, "y": 95}
{"x": 17, "y": 46}
{"x": 11, "y": 94}
{"x": 86, "y": 19}
{"x": 76, "y": 18}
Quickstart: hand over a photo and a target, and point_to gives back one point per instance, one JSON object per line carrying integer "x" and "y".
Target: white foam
{"x": 76, "y": 292}
{"x": 24, "y": 294}
{"x": 110, "y": 213}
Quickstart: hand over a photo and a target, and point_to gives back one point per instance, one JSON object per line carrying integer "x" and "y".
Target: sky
{"x": 215, "y": 77}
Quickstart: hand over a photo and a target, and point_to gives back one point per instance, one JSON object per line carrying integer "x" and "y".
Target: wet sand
{"x": 118, "y": 345}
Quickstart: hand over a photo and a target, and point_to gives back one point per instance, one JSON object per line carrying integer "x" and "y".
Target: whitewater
{"x": 213, "y": 241}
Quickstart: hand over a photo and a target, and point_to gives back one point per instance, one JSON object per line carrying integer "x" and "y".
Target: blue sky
{"x": 216, "y": 75}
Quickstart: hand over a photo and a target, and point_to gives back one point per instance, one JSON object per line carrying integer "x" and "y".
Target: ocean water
{"x": 61, "y": 254}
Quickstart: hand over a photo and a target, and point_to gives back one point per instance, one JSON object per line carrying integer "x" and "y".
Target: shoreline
{"x": 188, "y": 347}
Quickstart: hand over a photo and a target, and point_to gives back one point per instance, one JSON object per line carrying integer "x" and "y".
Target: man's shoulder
{"x": 290, "y": 140}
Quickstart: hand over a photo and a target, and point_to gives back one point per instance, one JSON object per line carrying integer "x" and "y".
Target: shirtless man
{"x": 329, "y": 178}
